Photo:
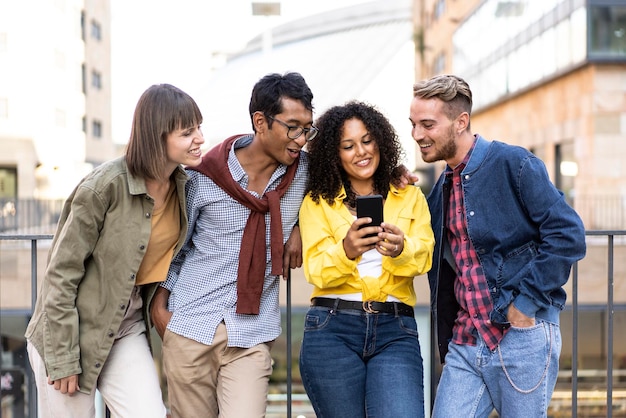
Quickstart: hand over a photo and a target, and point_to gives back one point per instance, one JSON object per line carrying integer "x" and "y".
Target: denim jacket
{"x": 96, "y": 252}
{"x": 525, "y": 234}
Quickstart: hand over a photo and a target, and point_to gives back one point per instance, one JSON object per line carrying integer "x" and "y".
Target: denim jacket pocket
{"x": 510, "y": 273}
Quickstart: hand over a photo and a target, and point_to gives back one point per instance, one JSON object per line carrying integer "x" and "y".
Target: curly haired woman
{"x": 360, "y": 353}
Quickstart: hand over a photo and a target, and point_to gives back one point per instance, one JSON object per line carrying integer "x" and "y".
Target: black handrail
{"x": 610, "y": 234}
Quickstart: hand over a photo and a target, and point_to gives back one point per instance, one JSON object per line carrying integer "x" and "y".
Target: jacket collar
{"x": 137, "y": 185}
{"x": 481, "y": 148}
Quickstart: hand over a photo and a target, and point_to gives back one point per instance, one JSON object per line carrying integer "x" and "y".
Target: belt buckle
{"x": 367, "y": 307}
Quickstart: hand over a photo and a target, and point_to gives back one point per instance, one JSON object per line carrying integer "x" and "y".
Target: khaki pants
{"x": 206, "y": 381}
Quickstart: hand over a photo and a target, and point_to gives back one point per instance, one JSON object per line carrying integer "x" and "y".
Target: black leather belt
{"x": 366, "y": 306}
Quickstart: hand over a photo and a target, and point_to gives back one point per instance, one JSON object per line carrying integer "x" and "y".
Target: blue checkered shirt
{"x": 203, "y": 277}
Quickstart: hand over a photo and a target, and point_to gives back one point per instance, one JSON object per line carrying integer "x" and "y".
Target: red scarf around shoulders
{"x": 251, "y": 270}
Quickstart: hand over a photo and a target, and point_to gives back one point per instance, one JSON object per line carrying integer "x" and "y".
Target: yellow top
{"x": 163, "y": 239}
{"x": 327, "y": 267}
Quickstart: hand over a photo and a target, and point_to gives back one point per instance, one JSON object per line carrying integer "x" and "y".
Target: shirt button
{"x": 132, "y": 276}
{"x": 471, "y": 213}
{"x": 98, "y": 365}
{"x": 147, "y": 215}
{"x": 111, "y": 334}
{"x": 122, "y": 306}
{"x": 142, "y": 247}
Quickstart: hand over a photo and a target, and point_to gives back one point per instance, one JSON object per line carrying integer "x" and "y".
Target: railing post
{"x": 611, "y": 309}
{"x": 289, "y": 343}
{"x": 575, "y": 342}
{"x": 32, "y": 386}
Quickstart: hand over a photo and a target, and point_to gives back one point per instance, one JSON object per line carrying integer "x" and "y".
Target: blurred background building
{"x": 55, "y": 95}
{"x": 548, "y": 75}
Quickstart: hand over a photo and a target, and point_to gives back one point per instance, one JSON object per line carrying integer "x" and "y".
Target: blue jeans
{"x": 356, "y": 364}
{"x": 517, "y": 378}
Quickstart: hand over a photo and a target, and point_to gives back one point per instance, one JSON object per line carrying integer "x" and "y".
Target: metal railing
{"x": 34, "y": 239}
{"x": 575, "y": 373}
{"x": 611, "y": 315}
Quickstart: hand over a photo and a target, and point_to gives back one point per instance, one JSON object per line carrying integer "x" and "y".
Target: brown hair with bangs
{"x": 161, "y": 110}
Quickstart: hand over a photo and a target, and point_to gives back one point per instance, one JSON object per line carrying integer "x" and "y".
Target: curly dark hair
{"x": 326, "y": 174}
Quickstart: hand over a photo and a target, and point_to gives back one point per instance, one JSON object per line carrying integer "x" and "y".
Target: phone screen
{"x": 370, "y": 206}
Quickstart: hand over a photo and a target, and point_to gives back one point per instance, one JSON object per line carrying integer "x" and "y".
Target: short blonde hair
{"x": 451, "y": 89}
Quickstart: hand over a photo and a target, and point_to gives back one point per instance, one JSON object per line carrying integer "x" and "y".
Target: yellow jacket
{"x": 327, "y": 267}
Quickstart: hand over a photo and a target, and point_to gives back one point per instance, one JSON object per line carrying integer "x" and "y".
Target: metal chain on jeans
{"x": 545, "y": 371}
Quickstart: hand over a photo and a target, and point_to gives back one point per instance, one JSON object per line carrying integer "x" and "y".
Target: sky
{"x": 177, "y": 42}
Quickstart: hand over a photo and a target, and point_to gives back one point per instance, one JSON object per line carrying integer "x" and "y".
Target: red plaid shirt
{"x": 470, "y": 287}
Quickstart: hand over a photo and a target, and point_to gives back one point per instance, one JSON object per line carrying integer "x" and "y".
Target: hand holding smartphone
{"x": 370, "y": 206}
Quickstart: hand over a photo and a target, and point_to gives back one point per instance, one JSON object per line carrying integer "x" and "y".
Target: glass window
{"x": 96, "y": 31}
{"x": 82, "y": 25}
{"x": 608, "y": 31}
{"x": 96, "y": 129}
{"x": 96, "y": 80}
{"x": 528, "y": 41}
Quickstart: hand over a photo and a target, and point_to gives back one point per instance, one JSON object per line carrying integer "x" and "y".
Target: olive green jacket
{"x": 96, "y": 252}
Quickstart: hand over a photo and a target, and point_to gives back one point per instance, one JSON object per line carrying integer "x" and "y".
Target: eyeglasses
{"x": 294, "y": 132}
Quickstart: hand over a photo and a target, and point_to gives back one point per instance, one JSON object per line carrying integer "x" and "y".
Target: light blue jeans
{"x": 517, "y": 378}
{"x": 355, "y": 364}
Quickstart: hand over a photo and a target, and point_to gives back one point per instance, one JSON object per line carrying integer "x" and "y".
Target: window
{"x": 84, "y": 78}
{"x": 96, "y": 79}
{"x": 96, "y": 30}
{"x": 96, "y": 129}
{"x": 607, "y": 31}
{"x": 8, "y": 189}
{"x": 566, "y": 169}
{"x": 82, "y": 25}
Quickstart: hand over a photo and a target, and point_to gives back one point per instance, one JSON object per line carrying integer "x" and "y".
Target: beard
{"x": 444, "y": 149}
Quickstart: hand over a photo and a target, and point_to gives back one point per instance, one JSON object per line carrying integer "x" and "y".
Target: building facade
{"x": 55, "y": 95}
{"x": 549, "y": 76}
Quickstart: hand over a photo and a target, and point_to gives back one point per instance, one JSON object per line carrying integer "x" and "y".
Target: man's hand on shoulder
{"x": 406, "y": 178}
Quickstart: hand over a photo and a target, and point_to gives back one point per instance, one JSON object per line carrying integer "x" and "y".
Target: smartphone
{"x": 370, "y": 206}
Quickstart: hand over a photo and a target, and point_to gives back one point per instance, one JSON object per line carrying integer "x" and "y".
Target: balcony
{"x": 592, "y": 378}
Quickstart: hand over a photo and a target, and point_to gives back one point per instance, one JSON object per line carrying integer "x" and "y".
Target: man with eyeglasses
{"x": 218, "y": 311}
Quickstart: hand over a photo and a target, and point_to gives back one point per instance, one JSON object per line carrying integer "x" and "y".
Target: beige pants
{"x": 210, "y": 381}
{"x": 128, "y": 382}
